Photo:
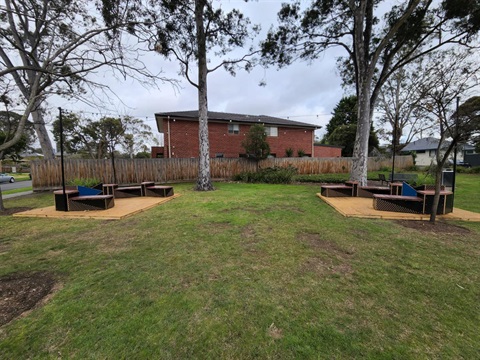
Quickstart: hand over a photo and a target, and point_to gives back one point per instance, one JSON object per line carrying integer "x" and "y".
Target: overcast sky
{"x": 300, "y": 92}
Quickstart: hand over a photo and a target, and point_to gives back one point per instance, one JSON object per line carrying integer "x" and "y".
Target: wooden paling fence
{"x": 46, "y": 174}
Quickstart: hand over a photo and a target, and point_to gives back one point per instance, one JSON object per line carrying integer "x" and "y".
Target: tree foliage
{"x": 48, "y": 47}
{"x": 342, "y": 127}
{"x": 377, "y": 44}
{"x": 448, "y": 80}
{"x": 100, "y": 139}
{"x": 194, "y": 33}
{"x": 9, "y": 122}
{"x": 255, "y": 143}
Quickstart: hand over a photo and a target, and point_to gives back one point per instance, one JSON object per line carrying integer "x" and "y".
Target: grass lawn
{"x": 246, "y": 271}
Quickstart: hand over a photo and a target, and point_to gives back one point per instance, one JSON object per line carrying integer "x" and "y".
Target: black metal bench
{"x": 128, "y": 191}
{"x": 159, "y": 191}
{"x": 369, "y": 191}
{"x": 398, "y": 203}
{"x": 91, "y": 202}
{"x": 336, "y": 190}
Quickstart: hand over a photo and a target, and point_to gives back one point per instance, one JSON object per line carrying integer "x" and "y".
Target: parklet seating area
{"x": 397, "y": 197}
{"x": 102, "y": 196}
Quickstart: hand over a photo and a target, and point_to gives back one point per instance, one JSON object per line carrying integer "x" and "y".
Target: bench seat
{"x": 159, "y": 191}
{"x": 91, "y": 202}
{"x": 128, "y": 191}
{"x": 336, "y": 190}
{"x": 369, "y": 191}
{"x": 398, "y": 203}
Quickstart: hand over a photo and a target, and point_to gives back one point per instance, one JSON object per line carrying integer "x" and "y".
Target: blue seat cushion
{"x": 86, "y": 191}
{"x": 407, "y": 190}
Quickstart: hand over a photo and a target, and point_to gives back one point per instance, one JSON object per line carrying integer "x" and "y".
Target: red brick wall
{"x": 184, "y": 139}
{"x": 327, "y": 151}
{"x": 158, "y": 152}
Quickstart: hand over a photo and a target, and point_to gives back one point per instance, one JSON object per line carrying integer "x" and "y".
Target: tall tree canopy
{"x": 48, "y": 47}
{"x": 377, "y": 43}
{"x": 194, "y": 33}
{"x": 99, "y": 139}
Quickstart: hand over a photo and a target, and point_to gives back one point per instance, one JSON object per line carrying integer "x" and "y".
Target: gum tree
{"x": 49, "y": 47}
{"x": 377, "y": 42}
{"x": 195, "y": 33}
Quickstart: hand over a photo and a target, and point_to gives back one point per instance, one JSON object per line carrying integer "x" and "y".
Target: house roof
{"x": 430, "y": 143}
{"x": 240, "y": 118}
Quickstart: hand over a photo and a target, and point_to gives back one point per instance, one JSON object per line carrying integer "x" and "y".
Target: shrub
{"x": 289, "y": 152}
{"x": 270, "y": 175}
{"x": 322, "y": 178}
{"x": 385, "y": 169}
{"x": 301, "y": 153}
{"x": 411, "y": 168}
{"x": 89, "y": 182}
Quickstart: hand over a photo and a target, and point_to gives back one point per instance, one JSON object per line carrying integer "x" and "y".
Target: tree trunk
{"x": 203, "y": 181}
{"x": 2, "y": 207}
{"x": 42, "y": 134}
{"x": 436, "y": 197}
{"x": 360, "y": 150}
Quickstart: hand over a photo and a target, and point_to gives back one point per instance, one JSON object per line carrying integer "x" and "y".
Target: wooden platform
{"x": 363, "y": 208}
{"x": 122, "y": 209}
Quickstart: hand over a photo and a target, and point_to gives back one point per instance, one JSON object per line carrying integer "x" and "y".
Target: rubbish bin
{"x": 447, "y": 177}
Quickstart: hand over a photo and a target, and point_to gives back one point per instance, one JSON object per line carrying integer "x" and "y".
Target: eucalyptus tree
{"x": 195, "y": 33}
{"x": 373, "y": 33}
{"x": 399, "y": 107}
{"x": 50, "y": 47}
{"x": 202, "y": 38}
{"x": 447, "y": 79}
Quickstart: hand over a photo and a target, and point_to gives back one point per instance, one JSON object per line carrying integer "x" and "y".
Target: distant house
{"x": 227, "y": 131}
{"x": 426, "y": 150}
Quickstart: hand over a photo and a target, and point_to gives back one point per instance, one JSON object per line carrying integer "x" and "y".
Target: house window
{"x": 271, "y": 130}
{"x": 432, "y": 153}
{"x": 234, "y": 129}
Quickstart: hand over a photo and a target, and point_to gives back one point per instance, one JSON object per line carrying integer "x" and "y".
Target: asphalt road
{"x": 16, "y": 185}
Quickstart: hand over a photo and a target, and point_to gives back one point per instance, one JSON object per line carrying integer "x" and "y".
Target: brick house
{"x": 226, "y": 132}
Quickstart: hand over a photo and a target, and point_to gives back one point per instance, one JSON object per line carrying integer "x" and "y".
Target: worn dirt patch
{"x": 21, "y": 292}
{"x": 323, "y": 266}
{"x": 11, "y": 211}
{"x": 315, "y": 241}
{"x": 438, "y": 228}
{"x": 332, "y": 258}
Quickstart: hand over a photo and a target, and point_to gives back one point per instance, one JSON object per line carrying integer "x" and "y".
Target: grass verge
{"x": 246, "y": 271}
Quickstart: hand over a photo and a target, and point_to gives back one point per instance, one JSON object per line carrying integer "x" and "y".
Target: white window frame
{"x": 271, "y": 131}
{"x": 234, "y": 129}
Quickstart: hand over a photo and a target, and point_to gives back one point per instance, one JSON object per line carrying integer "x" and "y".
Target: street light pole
{"x": 394, "y": 146}
{"x": 61, "y": 160}
{"x": 455, "y": 151}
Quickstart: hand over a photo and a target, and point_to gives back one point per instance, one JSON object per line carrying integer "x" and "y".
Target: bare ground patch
{"x": 14, "y": 210}
{"x": 21, "y": 292}
{"x": 331, "y": 259}
{"x": 315, "y": 241}
{"x": 439, "y": 227}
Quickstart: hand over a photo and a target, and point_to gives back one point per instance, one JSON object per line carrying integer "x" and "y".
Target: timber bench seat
{"x": 398, "y": 203}
{"x": 369, "y": 191}
{"x": 337, "y": 190}
{"x": 91, "y": 202}
{"x": 159, "y": 191}
{"x": 128, "y": 191}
